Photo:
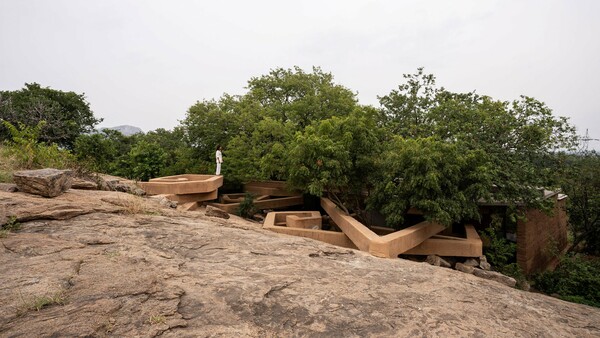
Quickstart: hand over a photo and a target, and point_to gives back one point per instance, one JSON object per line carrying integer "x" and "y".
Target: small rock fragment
{"x": 438, "y": 261}
{"x": 464, "y": 268}
{"x": 216, "y": 212}
{"x": 471, "y": 262}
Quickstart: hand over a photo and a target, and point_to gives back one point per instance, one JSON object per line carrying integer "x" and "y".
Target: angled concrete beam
{"x": 358, "y": 233}
{"x": 390, "y": 245}
{"x": 403, "y": 240}
{"x": 237, "y": 198}
{"x": 471, "y": 246}
{"x": 331, "y": 237}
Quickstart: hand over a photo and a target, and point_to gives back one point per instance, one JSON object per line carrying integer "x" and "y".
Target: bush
{"x": 499, "y": 251}
{"x": 247, "y": 207}
{"x": 146, "y": 160}
{"x": 575, "y": 279}
{"x": 24, "y": 151}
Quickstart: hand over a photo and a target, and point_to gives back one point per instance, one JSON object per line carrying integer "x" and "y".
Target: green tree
{"x": 179, "y": 157}
{"x": 406, "y": 111}
{"x": 582, "y": 185}
{"x": 146, "y": 160}
{"x": 299, "y": 97}
{"x": 337, "y": 156}
{"x": 444, "y": 180}
{"x": 515, "y": 136}
{"x": 97, "y": 151}
{"x": 67, "y": 114}
{"x": 261, "y": 154}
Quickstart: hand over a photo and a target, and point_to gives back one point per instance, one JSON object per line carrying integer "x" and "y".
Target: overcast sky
{"x": 144, "y": 63}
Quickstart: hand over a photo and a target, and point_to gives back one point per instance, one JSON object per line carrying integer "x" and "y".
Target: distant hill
{"x": 126, "y": 130}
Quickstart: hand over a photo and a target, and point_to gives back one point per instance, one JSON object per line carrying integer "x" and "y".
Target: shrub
{"x": 247, "y": 207}
{"x": 575, "y": 279}
{"x": 24, "y": 151}
{"x": 499, "y": 250}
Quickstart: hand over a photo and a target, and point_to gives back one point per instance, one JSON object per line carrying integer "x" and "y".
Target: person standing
{"x": 219, "y": 158}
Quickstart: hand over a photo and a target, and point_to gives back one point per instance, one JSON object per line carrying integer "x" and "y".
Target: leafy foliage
{"x": 247, "y": 207}
{"x": 576, "y": 279}
{"x": 67, "y": 114}
{"x": 515, "y": 136}
{"x": 336, "y": 155}
{"x": 498, "y": 250}
{"x": 444, "y": 180}
{"x": 146, "y": 160}
{"x": 582, "y": 185}
{"x": 27, "y": 153}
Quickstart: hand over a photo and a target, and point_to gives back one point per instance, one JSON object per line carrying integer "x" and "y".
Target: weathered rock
{"x": 8, "y": 187}
{"x": 524, "y": 285}
{"x": 438, "y": 261}
{"x": 183, "y": 274}
{"x": 258, "y": 217}
{"x": 495, "y": 276}
{"x": 165, "y": 201}
{"x": 471, "y": 262}
{"x": 79, "y": 183}
{"x": 44, "y": 182}
{"x": 485, "y": 266}
{"x": 216, "y": 212}
{"x": 114, "y": 183}
{"x": 464, "y": 268}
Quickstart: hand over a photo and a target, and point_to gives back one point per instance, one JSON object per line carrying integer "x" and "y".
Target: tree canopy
{"x": 66, "y": 114}
{"x": 424, "y": 147}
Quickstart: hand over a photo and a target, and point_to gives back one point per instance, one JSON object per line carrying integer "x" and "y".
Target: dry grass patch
{"x": 37, "y": 303}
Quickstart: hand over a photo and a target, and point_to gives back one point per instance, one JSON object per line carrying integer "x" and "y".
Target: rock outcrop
{"x": 143, "y": 270}
{"x": 44, "y": 182}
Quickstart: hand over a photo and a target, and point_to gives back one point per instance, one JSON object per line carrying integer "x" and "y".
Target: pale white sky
{"x": 144, "y": 63}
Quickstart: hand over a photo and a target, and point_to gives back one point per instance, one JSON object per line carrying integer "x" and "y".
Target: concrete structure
{"x": 187, "y": 190}
{"x": 440, "y": 245}
{"x": 267, "y": 195}
{"x": 277, "y": 222}
{"x": 182, "y": 184}
{"x": 420, "y": 239}
{"x": 541, "y": 236}
{"x": 270, "y": 203}
{"x": 270, "y": 188}
{"x": 390, "y": 245}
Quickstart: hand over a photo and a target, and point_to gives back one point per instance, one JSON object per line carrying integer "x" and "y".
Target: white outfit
{"x": 219, "y": 157}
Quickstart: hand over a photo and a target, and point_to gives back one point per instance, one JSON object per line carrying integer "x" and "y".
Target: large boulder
{"x": 44, "y": 182}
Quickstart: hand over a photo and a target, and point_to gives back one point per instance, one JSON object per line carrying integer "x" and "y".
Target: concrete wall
{"x": 540, "y": 236}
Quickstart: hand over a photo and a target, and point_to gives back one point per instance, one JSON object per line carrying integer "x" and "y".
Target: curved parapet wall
{"x": 182, "y": 184}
